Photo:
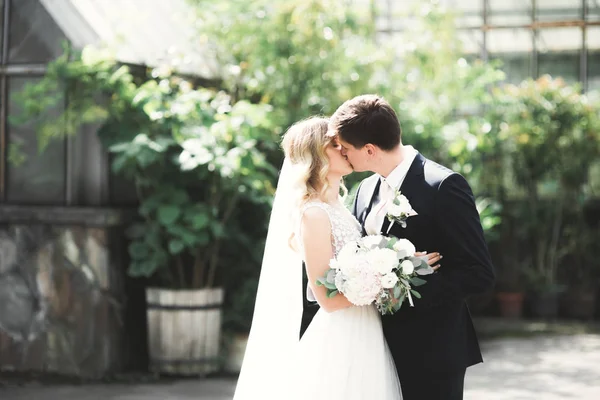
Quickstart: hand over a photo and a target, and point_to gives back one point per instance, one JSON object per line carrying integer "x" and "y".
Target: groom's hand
{"x": 432, "y": 259}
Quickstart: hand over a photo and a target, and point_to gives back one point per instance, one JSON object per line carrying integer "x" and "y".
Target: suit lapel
{"x": 368, "y": 189}
{"x": 415, "y": 171}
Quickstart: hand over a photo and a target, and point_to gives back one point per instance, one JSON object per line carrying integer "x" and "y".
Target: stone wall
{"x": 62, "y": 283}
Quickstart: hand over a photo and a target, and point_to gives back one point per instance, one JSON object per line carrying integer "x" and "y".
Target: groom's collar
{"x": 396, "y": 177}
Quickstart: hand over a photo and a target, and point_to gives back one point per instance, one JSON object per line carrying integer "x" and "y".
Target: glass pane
{"x": 34, "y": 36}
{"x": 469, "y": 12}
{"x": 593, "y": 10}
{"x": 559, "y": 53}
{"x": 557, "y": 10}
{"x": 40, "y": 179}
{"x": 560, "y": 39}
{"x": 121, "y": 190}
{"x": 514, "y": 48}
{"x": 401, "y": 9}
{"x": 472, "y": 41}
{"x": 1, "y": 22}
{"x": 509, "y": 41}
{"x": 564, "y": 65}
{"x": 593, "y": 67}
{"x": 509, "y": 12}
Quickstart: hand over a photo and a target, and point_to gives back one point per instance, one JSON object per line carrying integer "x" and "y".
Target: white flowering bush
{"x": 376, "y": 270}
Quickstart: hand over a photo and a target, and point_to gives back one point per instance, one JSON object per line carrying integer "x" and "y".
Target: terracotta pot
{"x": 510, "y": 304}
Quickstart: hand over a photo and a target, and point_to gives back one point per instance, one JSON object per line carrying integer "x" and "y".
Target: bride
{"x": 343, "y": 354}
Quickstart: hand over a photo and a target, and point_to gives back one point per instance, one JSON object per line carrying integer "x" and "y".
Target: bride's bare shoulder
{"x": 314, "y": 213}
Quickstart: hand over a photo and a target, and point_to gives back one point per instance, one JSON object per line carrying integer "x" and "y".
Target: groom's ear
{"x": 370, "y": 149}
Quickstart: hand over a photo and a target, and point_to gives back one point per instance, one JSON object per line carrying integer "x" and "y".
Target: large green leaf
{"x": 200, "y": 220}
{"x": 138, "y": 250}
{"x": 176, "y": 246}
{"x": 144, "y": 268}
{"x": 168, "y": 214}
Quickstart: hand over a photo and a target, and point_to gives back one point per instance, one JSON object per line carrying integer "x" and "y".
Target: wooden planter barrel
{"x": 184, "y": 330}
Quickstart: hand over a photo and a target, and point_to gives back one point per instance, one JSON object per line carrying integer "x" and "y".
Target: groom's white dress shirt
{"x": 387, "y": 189}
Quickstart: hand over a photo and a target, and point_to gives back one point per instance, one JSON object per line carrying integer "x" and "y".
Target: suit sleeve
{"x": 466, "y": 265}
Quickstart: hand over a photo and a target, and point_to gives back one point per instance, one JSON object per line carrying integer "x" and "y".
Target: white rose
{"x": 383, "y": 260}
{"x": 407, "y": 267}
{"x": 388, "y": 281}
{"x": 404, "y": 206}
{"x": 394, "y": 210}
{"x": 405, "y": 245}
{"x": 372, "y": 240}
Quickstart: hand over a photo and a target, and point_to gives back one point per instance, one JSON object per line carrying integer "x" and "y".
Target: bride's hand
{"x": 432, "y": 259}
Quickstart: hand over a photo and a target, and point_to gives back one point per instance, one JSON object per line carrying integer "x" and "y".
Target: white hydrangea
{"x": 362, "y": 290}
{"x": 348, "y": 253}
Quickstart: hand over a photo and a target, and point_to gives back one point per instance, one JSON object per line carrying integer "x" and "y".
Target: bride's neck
{"x": 332, "y": 193}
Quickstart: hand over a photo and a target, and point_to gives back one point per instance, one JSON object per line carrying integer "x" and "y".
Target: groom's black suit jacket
{"x": 436, "y": 336}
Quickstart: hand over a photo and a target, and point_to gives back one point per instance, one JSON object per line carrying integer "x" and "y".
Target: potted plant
{"x": 579, "y": 300}
{"x": 510, "y": 290}
{"x": 550, "y": 131}
{"x": 191, "y": 177}
{"x": 193, "y": 155}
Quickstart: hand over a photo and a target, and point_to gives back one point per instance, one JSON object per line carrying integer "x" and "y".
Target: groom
{"x": 433, "y": 342}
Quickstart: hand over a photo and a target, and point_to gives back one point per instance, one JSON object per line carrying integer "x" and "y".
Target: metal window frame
{"x": 583, "y": 61}
{"x": 7, "y": 71}
{"x": 534, "y": 27}
{"x": 3, "y": 100}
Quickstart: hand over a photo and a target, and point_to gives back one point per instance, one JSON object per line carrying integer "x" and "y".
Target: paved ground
{"x": 542, "y": 367}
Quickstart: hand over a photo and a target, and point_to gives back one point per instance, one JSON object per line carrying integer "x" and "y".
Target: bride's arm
{"x": 318, "y": 251}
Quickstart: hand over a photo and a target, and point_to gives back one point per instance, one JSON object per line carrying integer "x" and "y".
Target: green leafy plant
{"x": 550, "y": 132}
{"x": 192, "y": 154}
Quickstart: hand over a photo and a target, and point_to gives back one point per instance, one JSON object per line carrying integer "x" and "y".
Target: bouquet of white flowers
{"x": 376, "y": 269}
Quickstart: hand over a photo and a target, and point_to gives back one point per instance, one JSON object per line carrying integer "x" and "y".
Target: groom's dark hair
{"x": 367, "y": 119}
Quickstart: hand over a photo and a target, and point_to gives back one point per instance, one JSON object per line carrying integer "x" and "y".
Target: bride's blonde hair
{"x": 304, "y": 145}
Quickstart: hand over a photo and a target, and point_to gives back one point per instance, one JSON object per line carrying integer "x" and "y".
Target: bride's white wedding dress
{"x": 343, "y": 355}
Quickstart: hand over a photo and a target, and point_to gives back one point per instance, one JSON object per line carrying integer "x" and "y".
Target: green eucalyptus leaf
{"x": 417, "y": 281}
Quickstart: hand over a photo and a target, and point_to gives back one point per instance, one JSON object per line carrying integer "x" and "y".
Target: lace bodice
{"x": 344, "y": 227}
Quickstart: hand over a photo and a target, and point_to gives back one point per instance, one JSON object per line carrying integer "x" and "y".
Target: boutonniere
{"x": 398, "y": 210}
